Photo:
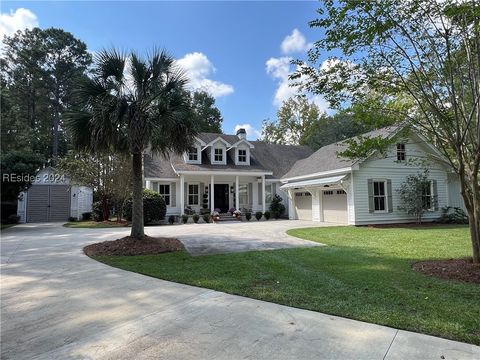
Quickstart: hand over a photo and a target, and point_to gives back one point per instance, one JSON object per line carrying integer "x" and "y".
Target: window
{"x": 193, "y": 194}
{"x": 341, "y": 192}
{"x": 427, "y": 196}
{"x": 218, "y": 155}
{"x": 243, "y": 195}
{"x": 401, "y": 155}
{"x": 242, "y": 155}
{"x": 193, "y": 154}
{"x": 164, "y": 190}
{"x": 379, "y": 196}
{"x": 328, "y": 192}
{"x": 268, "y": 193}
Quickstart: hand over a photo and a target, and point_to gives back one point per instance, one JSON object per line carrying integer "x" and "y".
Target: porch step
{"x": 228, "y": 217}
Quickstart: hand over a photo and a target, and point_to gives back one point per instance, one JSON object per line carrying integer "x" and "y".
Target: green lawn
{"x": 93, "y": 224}
{"x": 6, "y": 226}
{"x": 364, "y": 274}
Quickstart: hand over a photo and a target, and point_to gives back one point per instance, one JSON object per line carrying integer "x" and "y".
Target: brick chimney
{"x": 241, "y": 133}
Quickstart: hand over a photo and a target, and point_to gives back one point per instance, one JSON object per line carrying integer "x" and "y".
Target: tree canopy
{"x": 414, "y": 62}
{"x": 206, "y": 115}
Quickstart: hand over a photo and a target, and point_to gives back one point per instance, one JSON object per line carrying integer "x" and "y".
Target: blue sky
{"x": 238, "y": 51}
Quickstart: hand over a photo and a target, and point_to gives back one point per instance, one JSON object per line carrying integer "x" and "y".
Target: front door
{"x": 220, "y": 196}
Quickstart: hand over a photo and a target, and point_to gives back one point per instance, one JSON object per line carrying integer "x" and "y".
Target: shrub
{"x": 188, "y": 210}
{"x": 154, "y": 208}
{"x": 171, "y": 219}
{"x": 258, "y": 215}
{"x": 87, "y": 216}
{"x": 206, "y": 218}
{"x": 97, "y": 211}
{"x": 184, "y": 218}
{"x": 13, "y": 219}
{"x": 248, "y": 216}
{"x": 276, "y": 207}
{"x": 195, "y": 218}
{"x": 453, "y": 215}
{"x": 72, "y": 219}
{"x": 267, "y": 215}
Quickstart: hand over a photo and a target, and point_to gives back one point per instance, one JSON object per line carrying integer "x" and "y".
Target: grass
{"x": 93, "y": 224}
{"x": 363, "y": 274}
{"x": 6, "y": 226}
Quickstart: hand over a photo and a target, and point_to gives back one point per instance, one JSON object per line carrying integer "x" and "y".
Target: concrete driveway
{"x": 59, "y": 304}
{"x": 228, "y": 237}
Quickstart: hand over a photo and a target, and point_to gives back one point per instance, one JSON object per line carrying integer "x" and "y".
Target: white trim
{"x": 225, "y": 142}
{"x": 385, "y": 190}
{"x": 319, "y": 174}
{"x": 233, "y": 173}
{"x": 240, "y": 141}
{"x": 161, "y": 179}
{"x": 224, "y": 156}
{"x": 186, "y": 156}
{"x": 313, "y": 183}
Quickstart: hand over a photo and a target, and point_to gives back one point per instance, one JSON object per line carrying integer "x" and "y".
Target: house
{"x": 52, "y": 198}
{"x": 319, "y": 186}
{"x": 324, "y": 187}
{"x": 222, "y": 172}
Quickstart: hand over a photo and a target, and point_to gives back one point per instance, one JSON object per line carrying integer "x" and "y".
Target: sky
{"x": 239, "y": 52}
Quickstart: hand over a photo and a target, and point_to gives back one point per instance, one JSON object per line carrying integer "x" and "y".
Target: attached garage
{"x": 303, "y": 205}
{"x": 335, "y": 206}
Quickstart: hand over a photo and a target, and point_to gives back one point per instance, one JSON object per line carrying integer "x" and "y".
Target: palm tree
{"x": 130, "y": 104}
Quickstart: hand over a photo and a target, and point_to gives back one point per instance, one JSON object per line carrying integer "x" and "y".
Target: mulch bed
{"x": 453, "y": 269}
{"x": 129, "y": 246}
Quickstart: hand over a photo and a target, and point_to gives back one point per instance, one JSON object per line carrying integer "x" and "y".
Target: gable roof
{"x": 326, "y": 158}
{"x": 269, "y": 158}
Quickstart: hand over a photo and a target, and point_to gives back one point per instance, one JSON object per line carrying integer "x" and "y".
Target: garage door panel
{"x": 303, "y": 206}
{"x": 37, "y": 203}
{"x": 59, "y": 203}
{"x": 335, "y": 206}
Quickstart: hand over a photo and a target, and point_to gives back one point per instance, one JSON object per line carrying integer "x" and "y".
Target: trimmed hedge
{"x": 154, "y": 208}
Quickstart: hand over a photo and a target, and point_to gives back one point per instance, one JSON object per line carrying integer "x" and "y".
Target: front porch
{"x": 205, "y": 193}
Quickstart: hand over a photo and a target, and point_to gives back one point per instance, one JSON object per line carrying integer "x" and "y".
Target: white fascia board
{"x": 234, "y": 173}
{"x": 250, "y": 145}
{"x": 160, "y": 179}
{"x": 319, "y": 174}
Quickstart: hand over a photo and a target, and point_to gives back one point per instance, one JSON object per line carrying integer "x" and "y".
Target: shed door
{"x": 335, "y": 206}
{"x": 48, "y": 203}
{"x": 303, "y": 205}
{"x": 59, "y": 203}
{"x": 37, "y": 203}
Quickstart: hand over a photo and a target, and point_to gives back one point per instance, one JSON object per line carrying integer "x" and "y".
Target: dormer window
{"x": 401, "y": 154}
{"x": 242, "y": 156}
{"x": 218, "y": 155}
{"x": 192, "y": 154}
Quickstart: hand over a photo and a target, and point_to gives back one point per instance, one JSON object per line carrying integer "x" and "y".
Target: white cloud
{"x": 252, "y": 133}
{"x": 199, "y": 68}
{"x": 280, "y": 69}
{"x": 19, "y": 19}
{"x": 295, "y": 43}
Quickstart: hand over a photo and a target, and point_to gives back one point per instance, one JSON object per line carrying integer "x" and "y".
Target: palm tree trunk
{"x": 137, "y": 206}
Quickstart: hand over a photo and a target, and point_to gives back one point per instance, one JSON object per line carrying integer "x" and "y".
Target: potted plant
{"x": 184, "y": 218}
{"x": 206, "y": 218}
{"x": 232, "y": 211}
{"x": 248, "y": 215}
{"x": 216, "y": 216}
{"x": 237, "y": 214}
{"x": 267, "y": 215}
{"x": 258, "y": 215}
{"x": 195, "y": 218}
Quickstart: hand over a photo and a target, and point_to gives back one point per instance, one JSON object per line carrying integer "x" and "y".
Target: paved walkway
{"x": 59, "y": 304}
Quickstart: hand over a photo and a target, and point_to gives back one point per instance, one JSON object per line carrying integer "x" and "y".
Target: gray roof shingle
{"x": 274, "y": 158}
{"x": 326, "y": 158}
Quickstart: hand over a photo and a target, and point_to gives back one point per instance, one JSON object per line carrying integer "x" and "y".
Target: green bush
{"x": 195, "y": 218}
{"x": 206, "y": 218}
{"x": 97, "y": 211}
{"x": 154, "y": 208}
{"x": 87, "y": 216}
{"x": 267, "y": 215}
{"x": 258, "y": 215}
{"x": 276, "y": 207}
{"x": 184, "y": 218}
{"x": 171, "y": 219}
{"x": 248, "y": 216}
{"x": 453, "y": 215}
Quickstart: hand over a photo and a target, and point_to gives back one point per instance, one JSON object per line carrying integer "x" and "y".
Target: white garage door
{"x": 335, "y": 206}
{"x": 303, "y": 205}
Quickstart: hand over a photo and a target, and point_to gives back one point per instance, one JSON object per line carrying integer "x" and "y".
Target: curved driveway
{"x": 59, "y": 304}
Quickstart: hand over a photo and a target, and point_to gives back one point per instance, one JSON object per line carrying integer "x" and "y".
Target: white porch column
{"x": 212, "y": 186}
{"x": 182, "y": 194}
{"x": 237, "y": 201}
{"x": 291, "y": 209}
{"x": 148, "y": 184}
{"x": 263, "y": 193}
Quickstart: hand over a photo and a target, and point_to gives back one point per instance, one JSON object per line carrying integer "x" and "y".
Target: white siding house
{"x": 365, "y": 192}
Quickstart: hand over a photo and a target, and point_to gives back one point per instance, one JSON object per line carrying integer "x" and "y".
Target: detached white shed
{"x": 51, "y": 198}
